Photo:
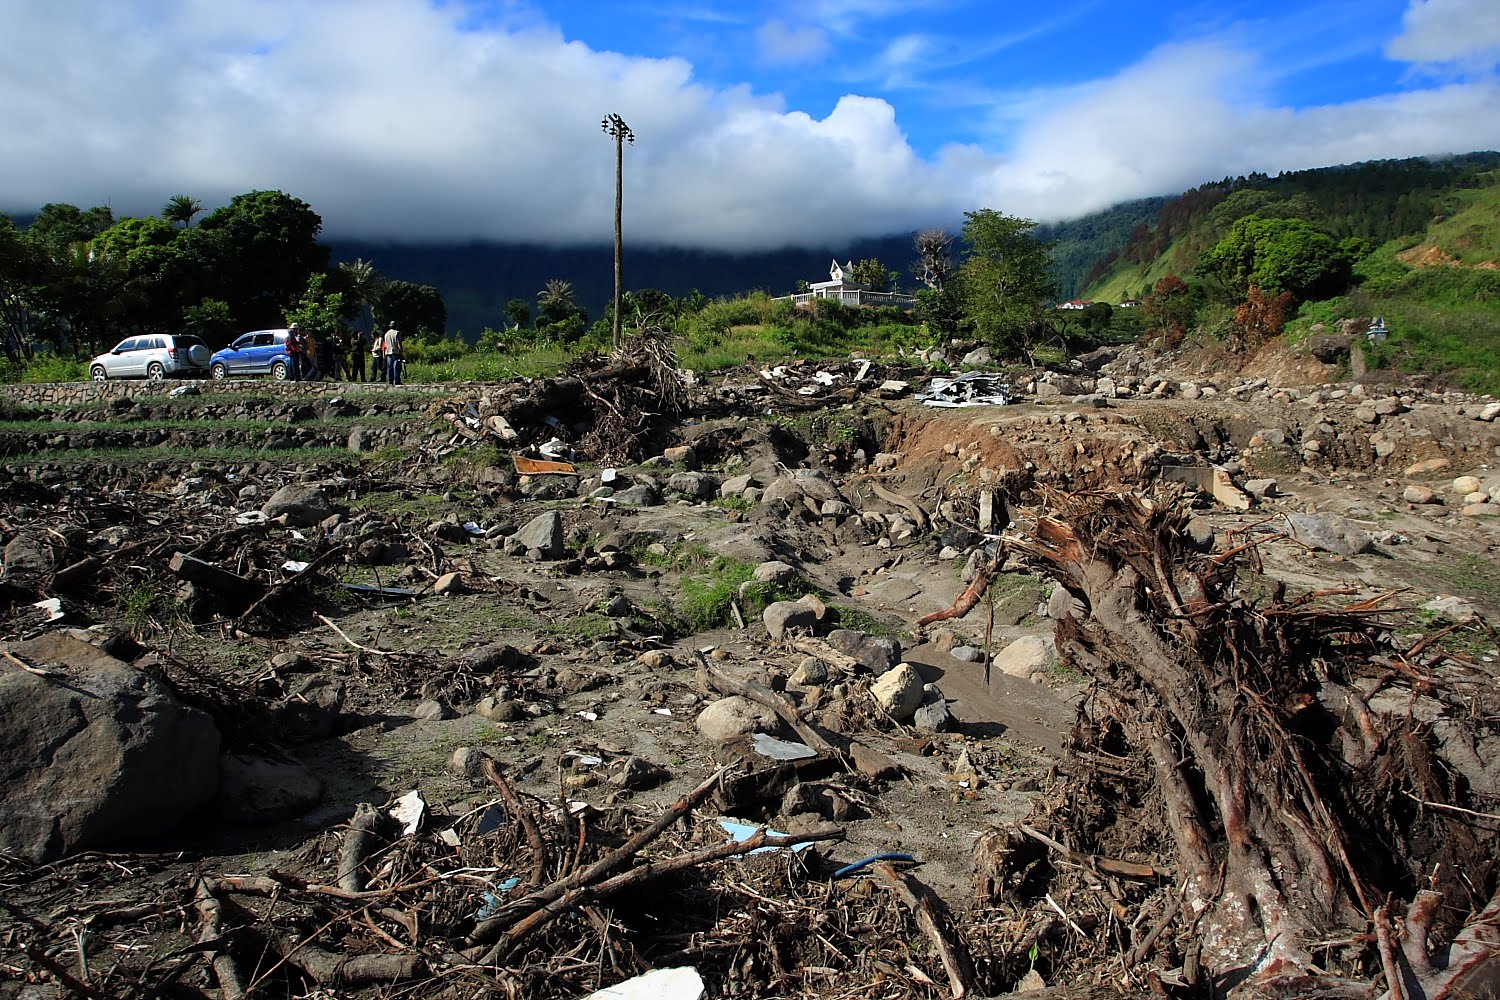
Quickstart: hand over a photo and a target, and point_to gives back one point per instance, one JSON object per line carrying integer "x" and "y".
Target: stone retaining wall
{"x": 55, "y": 394}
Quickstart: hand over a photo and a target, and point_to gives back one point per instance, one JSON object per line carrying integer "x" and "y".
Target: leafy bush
{"x": 45, "y": 368}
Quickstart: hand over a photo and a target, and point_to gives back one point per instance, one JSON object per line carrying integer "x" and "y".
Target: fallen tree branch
{"x": 582, "y": 895}
{"x": 935, "y": 923}
{"x": 486, "y": 930}
{"x": 727, "y": 683}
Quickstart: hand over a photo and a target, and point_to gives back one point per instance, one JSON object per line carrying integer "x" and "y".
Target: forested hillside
{"x": 1416, "y": 242}
{"x": 1378, "y": 201}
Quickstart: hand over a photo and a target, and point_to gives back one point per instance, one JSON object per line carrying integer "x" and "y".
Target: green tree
{"x": 1005, "y": 281}
{"x": 872, "y": 274}
{"x": 557, "y": 303}
{"x": 1276, "y": 255}
{"x": 181, "y": 209}
{"x": 360, "y": 282}
{"x": 59, "y": 225}
{"x": 1171, "y": 309}
{"x": 518, "y": 314}
{"x": 318, "y": 309}
{"x": 417, "y": 310}
{"x": 211, "y": 320}
{"x": 23, "y": 272}
{"x": 940, "y": 310}
{"x": 257, "y": 253}
{"x": 159, "y": 277}
{"x": 1097, "y": 316}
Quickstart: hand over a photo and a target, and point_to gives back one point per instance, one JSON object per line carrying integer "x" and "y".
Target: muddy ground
{"x": 597, "y": 653}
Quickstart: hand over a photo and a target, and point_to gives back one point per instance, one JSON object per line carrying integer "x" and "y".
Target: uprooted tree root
{"x": 1313, "y": 846}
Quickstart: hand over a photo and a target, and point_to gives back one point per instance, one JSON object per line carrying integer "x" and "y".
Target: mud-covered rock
{"x": 95, "y": 753}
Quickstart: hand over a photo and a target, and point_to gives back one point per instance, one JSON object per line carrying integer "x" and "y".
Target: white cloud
{"x": 781, "y": 43}
{"x": 394, "y": 119}
{"x": 1449, "y": 31}
{"x": 1192, "y": 113}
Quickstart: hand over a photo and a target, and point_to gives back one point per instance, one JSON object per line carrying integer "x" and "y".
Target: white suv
{"x": 153, "y": 356}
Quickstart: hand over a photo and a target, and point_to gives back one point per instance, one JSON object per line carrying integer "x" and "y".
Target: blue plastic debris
{"x": 864, "y": 862}
{"x": 495, "y": 901}
{"x": 741, "y": 832}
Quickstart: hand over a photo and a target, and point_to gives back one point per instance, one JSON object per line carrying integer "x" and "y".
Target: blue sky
{"x": 759, "y": 125}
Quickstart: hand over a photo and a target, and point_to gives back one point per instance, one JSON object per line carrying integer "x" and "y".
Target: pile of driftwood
{"x": 1237, "y": 809}
{"x": 522, "y": 897}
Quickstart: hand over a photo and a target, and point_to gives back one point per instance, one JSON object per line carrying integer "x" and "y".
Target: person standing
{"x": 294, "y": 353}
{"x": 390, "y": 348}
{"x": 359, "y": 346}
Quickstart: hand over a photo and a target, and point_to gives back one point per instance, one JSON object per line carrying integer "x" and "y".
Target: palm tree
{"x": 555, "y": 302}
{"x": 361, "y": 286}
{"x": 181, "y": 208}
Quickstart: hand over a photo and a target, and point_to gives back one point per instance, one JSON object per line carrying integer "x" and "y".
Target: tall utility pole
{"x": 616, "y": 127}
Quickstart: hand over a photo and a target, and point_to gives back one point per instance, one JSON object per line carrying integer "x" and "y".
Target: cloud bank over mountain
{"x": 406, "y": 120}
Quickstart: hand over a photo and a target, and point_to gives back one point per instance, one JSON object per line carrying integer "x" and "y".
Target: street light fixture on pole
{"x": 615, "y": 126}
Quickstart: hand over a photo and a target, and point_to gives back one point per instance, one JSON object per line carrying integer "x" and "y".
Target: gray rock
{"x": 784, "y": 615}
{"x": 258, "y": 790}
{"x": 879, "y": 653}
{"x": 32, "y": 553}
{"x": 967, "y": 654}
{"x": 498, "y": 709}
{"x": 96, "y": 753}
{"x": 303, "y": 506}
{"x": 1026, "y": 656}
{"x": 899, "y": 691}
{"x": 733, "y": 717}
{"x": 736, "y": 485}
{"x": 637, "y": 774}
{"x": 697, "y": 485}
{"x": 639, "y": 495}
{"x": 1330, "y": 532}
{"x": 809, "y": 672}
{"x": 543, "y": 534}
{"x": 1261, "y": 489}
{"x": 1329, "y": 348}
{"x": 432, "y": 710}
{"x": 468, "y": 762}
{"x": 1455, "y": 609}
{"x": 775, "y": 571}
{"x": 1061, "y": 604}
{"x": 932, "y": 715}
{"x": 1200, "y": 534}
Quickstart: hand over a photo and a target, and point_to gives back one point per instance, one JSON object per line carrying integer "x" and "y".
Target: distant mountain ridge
{"x": 477, "y": 279}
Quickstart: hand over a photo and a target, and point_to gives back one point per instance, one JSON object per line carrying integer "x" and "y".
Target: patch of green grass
{"x": 732, "y": 503}
{"x": 708, "y": 593}
{"x": 860, "y": 620}
{"x": 493, "y": 366}
{"x": 185, "y": 456}
{"x": 589, "y": 625}
{"x": 419, "y": 505}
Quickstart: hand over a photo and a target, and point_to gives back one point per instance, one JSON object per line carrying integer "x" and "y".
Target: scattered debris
{"x": 968, "y": 389}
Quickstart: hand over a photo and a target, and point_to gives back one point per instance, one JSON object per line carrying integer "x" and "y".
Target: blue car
{"x": 262, "y": 352}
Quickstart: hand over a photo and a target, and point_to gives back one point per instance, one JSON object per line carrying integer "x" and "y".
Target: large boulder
{"x": 735, "y": 716}
{"x": 303, "y": 506}
{"x": 1330, "y": 532}
{"x": 876, "y": 652}
{"x": 899, "y": 691}
{"x": 543, "y": 534}
{"x": 95, "y": 752}
{"x": 1028, "y": 655}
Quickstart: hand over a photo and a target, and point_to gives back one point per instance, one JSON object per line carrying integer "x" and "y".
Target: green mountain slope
{"x": 1425, "y": 235}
